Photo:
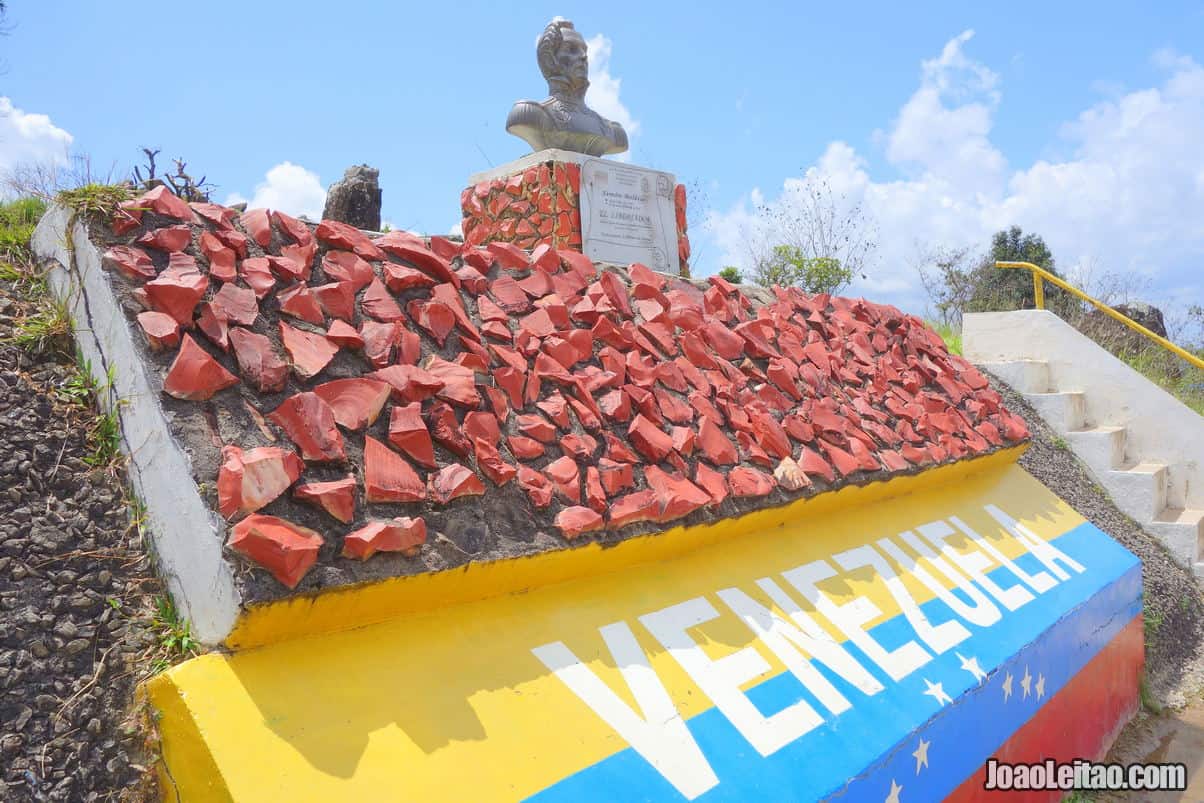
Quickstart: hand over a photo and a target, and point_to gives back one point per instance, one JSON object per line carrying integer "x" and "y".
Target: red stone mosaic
{"x": 609, "y": 400}
{"x": 540, "y": 206}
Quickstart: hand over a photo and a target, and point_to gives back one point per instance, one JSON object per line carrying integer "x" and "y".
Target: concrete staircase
{"x": 1149, "y": 490}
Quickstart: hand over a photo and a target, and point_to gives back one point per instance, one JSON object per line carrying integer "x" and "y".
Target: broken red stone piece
{"x": 177, "y": 291}
{"x": 161, "y": 330}
{"x": 524, "y": 448}
{"x": 490, "y": 461}
{"x": 169, "y": 238}
{"x": 285, "y": 549}
{"x": 408, "y": 433}
{"x": 402, "y": 534}
{"x": 347, "y": 237}
{"x": 258, "y": 225}
{"x": 355, "y": 402}
{"x": 342, "y": 334}
{"x": 711, "y": 481}
{"x": 194, "y": 375}
{"x": 309, "y": 423}
{"x": 566, "y": 477}
{"x": 161, "y": 201}
{"x": 133, "y": 262}
{"x": 309, "y": 352}
{"x": 299, "y": 302}
{"x": 649, "y": 439}
{"x": 633, "y": 508}
{"x": 248, "y": 480}
{"x": 388, "y": 477}
{"x": 258, "y": 360}
{"x": 236, "y": 305}
{"x": 336, "y": 497}
{"x": 213, "y": 327}
{"x": 538, "y": 487}
{"x": 615, "y": 476}
{"x": 748, "y": 482}
{"x": 453, "y": 481}
{"x": 573, "y": 521}
{"x": 257, "y": 274}
{"x": 377, "y": 303}
{"x": 676, "y": 495}
{"x": 344, "y": 266}
{"x": 421, "y": 257}
{"x": 509, "y": 256}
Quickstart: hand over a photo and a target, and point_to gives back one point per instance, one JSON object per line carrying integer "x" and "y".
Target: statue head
{"x": 563, "y": 59}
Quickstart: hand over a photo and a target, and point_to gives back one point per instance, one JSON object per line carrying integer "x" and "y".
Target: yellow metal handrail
{"x": 1041, "y": 274}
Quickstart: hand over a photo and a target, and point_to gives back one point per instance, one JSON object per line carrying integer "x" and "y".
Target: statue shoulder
{"x": 618, "y": 137}
{"x": 528, "y": 113}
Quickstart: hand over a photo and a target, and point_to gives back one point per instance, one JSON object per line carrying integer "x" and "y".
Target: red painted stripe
{"x": 1080, "y": 721}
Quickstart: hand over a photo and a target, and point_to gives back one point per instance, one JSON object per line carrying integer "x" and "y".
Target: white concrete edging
{"x": 186, "y": 535}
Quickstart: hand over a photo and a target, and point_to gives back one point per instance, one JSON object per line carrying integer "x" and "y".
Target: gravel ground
{"x": 1174, "y": 606}
{"x": 76, "y": 595}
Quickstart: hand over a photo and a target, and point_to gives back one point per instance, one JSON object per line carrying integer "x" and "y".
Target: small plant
{"x": 46, "y": 329}
{"x": 95, "y": 199}
{"x": 1153, "y": 622}
{"x": 104, "y": 431}
{"x": 174, "y": 636}
{"x": 182, "y": 184}
{"x": 732, "y": 274}
{"x": 1148, "y": 701}
{"x": 1060, "y": 443}
{"x": 951, "y": 336}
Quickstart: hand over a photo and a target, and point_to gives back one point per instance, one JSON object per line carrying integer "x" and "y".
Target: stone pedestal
{"x": 631, "y": 213}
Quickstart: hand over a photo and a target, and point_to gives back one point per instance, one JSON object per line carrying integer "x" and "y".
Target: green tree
{"x": 789, "y": 265}
{"x": 1008, "y": 289}
{"x": 732, "y": 274}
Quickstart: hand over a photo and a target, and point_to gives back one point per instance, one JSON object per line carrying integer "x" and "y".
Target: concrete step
{"x": 1101, "y": 448}
{"x": 1024, "y": 376}
{"x": 1138, "y": 489}
{"x": 1065, "y": 412}
{"x": 1181, "y": 531}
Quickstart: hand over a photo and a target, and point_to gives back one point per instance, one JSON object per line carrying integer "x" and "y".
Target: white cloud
{"x": 1128, "y": 196}
{"x": 289, "y": 188}
{"x": 603, "y": 93}
{"x": 30, "y": 139}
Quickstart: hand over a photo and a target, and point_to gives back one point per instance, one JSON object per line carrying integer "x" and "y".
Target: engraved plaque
{"x": 627, "y": 215}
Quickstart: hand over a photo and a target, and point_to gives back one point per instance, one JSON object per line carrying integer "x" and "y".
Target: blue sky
{"x": 945, "y": 121}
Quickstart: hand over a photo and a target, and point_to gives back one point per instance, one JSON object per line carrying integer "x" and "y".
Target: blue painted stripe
{"x": 1055, "y": 635}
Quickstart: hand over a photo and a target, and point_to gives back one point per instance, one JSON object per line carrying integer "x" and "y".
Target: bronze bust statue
{"x": 563, "y": 120}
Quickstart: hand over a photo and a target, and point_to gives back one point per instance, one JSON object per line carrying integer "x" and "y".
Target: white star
{"x": 1040, "y": 686}
{"x": 971, "y": 666}
{"x": 1026, "y": 682}
{"x": 895, "y": 789}
{"x": 937, "y": 693}
{"x": 1007, "y": 687}
{"x": 921, "y": 755}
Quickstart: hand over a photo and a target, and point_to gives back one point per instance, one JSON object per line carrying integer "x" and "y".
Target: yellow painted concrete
{"x": 448, "y": 697}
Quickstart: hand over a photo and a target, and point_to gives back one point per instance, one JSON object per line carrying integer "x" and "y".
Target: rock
{"x": 285, "y": 549}
{"x": 1114, "y": 335}
{"x": 404, "y": 534}
{"x": 336, "y": 497}
{"x": 250, "y": 479}
{"x": 356, "y": 198}
{"x": 196, "y": 376}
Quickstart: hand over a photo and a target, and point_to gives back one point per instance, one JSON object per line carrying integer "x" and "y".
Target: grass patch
{"x": 1148, "y": 701}
{"x": 1060, "y": 443}
{"x": 44, "y": 329}
{"x": 951, "y": 336}
{"x": 1174, "y": 375}
{"x": 104, "y": 431}
{"x": 174, "y": 642}
{"x": 95, "y": 199}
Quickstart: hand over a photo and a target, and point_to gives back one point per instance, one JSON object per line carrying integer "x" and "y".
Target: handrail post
{"x": 1038, "y": 291}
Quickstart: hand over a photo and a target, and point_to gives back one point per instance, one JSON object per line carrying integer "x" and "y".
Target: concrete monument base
{"x": 619, "y": 213}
